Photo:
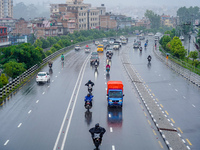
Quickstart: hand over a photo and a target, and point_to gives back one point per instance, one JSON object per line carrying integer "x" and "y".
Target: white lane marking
{"x": 109, "y": 115}
{"x": 106, "y": 89}
{"x": 56, "y": 76}
{"x": 19, "y": 125}
{"x": 66, "y": 113}
{"x": 72, "y": 111}
{"x": 193, "y": 105}
{"x": 159, "y": 75}
{"x": 30, "y": 111}
{"x": 6, "y": 142}
{"x": 111, "y": 130}
{"x": 43, "y": 93}
{"x": 52, "y": 80}
{"x": 169, "y": 84}
{"x": 105, "y": 78}
{"x": 58, "y": 72}
{"x": 48, "y": 86}
{"x": 104, "y": 74}
{"x": 176, "y": 90}
{"x": 184, "y": 97}
{"x": 37, "y": 101}
{"x": 113, "y": 147}
{"x": 105, "y": 83}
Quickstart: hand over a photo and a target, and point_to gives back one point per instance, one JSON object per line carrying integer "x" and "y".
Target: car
{"x": 150, "y": 34}
{"x": 119, "y": 42}
{"x": 110, "y": 50}
{"x": 77, "y": 47}
{"x": 96, "y": 43}
{"x": 112, "y": 40}
{"x": 136, "y": 45}
{"x": 105, "y": 40}
{"x": 94, "y": 53}
{"x": 43, "y": 77}
{"x": 116, "y": 46}
{"x": 141, "y": 37}
{"x": 93, "y": 58}
{"x": 100, "y": 48}
{"x": 87, "y": 49}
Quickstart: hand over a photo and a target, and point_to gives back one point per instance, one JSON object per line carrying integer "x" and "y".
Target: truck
{"x": 115, "y": 93}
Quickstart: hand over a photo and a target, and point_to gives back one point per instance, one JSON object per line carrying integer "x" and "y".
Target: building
{"x": 106, "y": 22}
{"x": 21, "y": 28}
{"x": 3, "y": 37}
{"x": 6, "y": 8}
{"x": 8, "y": 22}
{"x": 77, "y": 15}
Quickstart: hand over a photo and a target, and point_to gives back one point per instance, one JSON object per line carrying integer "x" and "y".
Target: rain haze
{"x": 125, "y": 2}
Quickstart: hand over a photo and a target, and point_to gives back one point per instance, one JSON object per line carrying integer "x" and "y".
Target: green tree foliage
{"x": 193, "y": 55}
{"x": 198, "y": 38}
{"x": 45, "y": 43}
{"x": 164, "y": 40}
{"x": 14, "y": 69}
{"x": 38, "y": 43}
{"x": 51, "y": 40}
{"x": 175, "y": 46}
{"x": 23, "y": 53}
{"x": 3, "y": 80}
{"x": 154, "y": 18}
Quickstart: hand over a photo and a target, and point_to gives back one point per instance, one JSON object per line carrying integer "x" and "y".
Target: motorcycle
{"x": 108, "y": 69}
{"x": 50, "y": 65}
{"x": 140, "y": 49}
{"x": 88, "y": 105}
{"x": 62, "y": 59}
{"x": 149, "y": 59}
{"x": 95, "y": 65}
{"x": 97, "y": 140}
{"x": 90, "y": 88}
{"x": 110, "y": 56}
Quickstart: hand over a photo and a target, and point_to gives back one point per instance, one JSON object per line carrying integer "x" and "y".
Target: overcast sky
{"x": 125, "y": 2}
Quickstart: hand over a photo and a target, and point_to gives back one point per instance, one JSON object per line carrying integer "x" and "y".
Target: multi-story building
{"x": 21, "y": 28}
{"x": 8, "y": 22}
{"x": 3, "y": 37}
{"x": 106, "y": 22}
{"x": 80, "y": 16}
{"x": 6, "y": 8}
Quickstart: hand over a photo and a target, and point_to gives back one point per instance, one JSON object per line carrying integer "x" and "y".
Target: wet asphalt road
{"x": 33, "y": 117}
{"x": 178, "y": 97}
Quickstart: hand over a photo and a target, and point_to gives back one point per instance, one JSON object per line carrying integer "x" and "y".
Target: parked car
{"x": 77, "y": 47}
{"x": 43, "y": 77}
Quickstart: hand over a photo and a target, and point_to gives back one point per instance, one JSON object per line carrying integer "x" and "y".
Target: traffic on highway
{"x": 87, "y": 99}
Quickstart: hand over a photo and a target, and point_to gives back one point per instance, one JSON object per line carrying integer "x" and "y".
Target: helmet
{"x": 89, "y": 81}
{"x": 88, "y": 95}
{"x": 97, "y": 125}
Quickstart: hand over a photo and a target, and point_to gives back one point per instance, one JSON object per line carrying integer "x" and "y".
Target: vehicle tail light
{"x": 46, "y": 76}
{"x": 36, "y": 76}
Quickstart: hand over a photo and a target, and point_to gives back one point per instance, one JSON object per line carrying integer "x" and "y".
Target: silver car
{"x": 43, "y": 77}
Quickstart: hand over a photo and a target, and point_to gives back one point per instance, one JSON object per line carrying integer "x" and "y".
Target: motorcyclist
{"x": 107, "y": 66}
{"x": 96, "y": 61}
{"x": 89, "y": 82}
{"x": 50, "y": 63}
{"x": 155, "y": 44}
{"x": 145, "y": 45}
{"x": 149, "y": 58}
{"x": 147, "y": 41}
{"x": 98, "y": 130}
{"x": 140, "y": 48}
{"x": 62, "y": 57}
{"x": 88, "y": 97}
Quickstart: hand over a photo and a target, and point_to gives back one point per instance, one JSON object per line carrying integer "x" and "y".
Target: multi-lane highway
{"x": 52, "y": 116}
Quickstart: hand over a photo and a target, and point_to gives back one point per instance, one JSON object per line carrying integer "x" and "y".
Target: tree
{"x": 164, "y": 40}
{"x": 51, "y": 40}
{"x": 193, "y": 55}
{"x": 154, "y": 18}
{"x": 45, "y": 43}
{"x": 3, "y": 80}
{"x": 38, "y": 43}
{"x": 175, "y": 46}
{"x": 14, "y": 69}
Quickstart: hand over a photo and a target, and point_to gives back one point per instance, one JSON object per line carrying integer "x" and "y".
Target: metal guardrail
{"x": 5, "y": 90}
{"x": 189, "y": 75}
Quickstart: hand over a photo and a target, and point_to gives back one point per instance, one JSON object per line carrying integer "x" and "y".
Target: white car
{"x": 77, "y": 47}
{"x": 87, "y": 49}
{"x": 96, "y": 42}
{"x": 150, "y": 34}
{"x": 43, "y": 77}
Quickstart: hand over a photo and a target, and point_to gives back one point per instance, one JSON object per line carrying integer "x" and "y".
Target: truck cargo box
{"x": 114, "y": 85}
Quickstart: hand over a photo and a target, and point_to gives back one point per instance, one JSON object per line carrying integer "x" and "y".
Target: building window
{"x": 46, "y": 32}
{"x": 4, "y": 30}
{"x": 1, "y": 30}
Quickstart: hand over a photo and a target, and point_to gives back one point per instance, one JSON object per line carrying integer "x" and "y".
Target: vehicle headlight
{"x": 110, "y": 100}
{"x": 120, "y": 100}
